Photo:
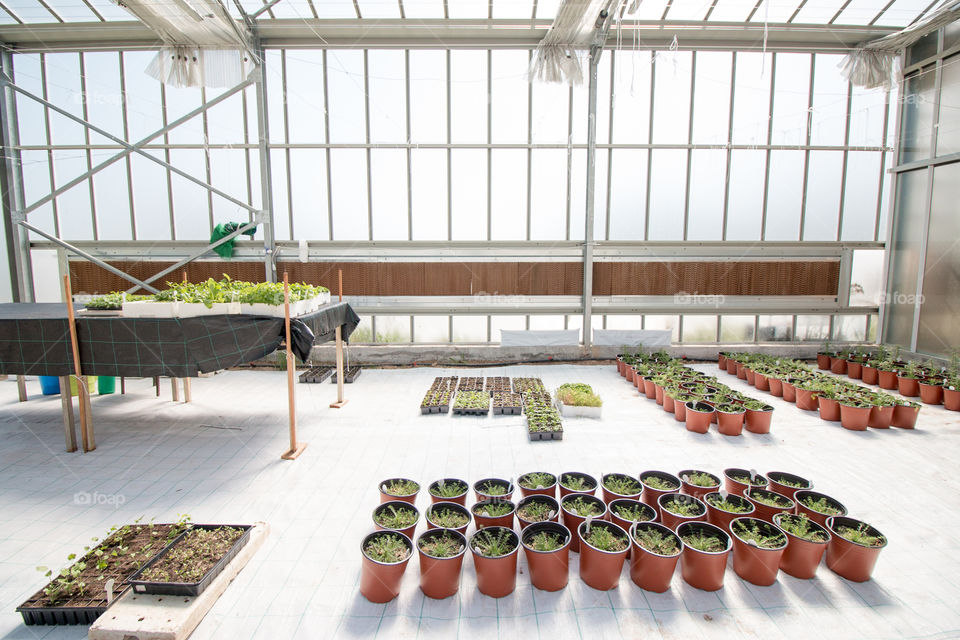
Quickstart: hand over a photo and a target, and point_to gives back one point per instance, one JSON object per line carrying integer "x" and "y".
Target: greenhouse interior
{"x": 710, "y": 237}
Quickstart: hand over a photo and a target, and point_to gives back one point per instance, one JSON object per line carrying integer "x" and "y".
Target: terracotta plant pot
{"x": 658, "y": 393}
{"x": 802, "y": 556}
{"x": 765, "y": 511}
{"x": 651, "y": 495}
{"x": 672, "y": 520}
{"x": 572, "y": 520}
{"x": 785, "y": 483}
{"x": 630, "y": 373}
{"x": 380, "y": 581}
{"x": 386, "y": 496}
{"x": 440, "y": 577}
{"x": 482, "y": 488}
{"x": 649, "y": 389}
{"x": 838, "y": 365}
{"x": 649, "y": 570}
{"x": 854, "y": 418}
{"x": 757, "y": 565}
{"x": 854, "y": 369}
{"x": 806, "y": 399}
{"x": 396, "y": 504}
{"x": 496, "y": 576}
{"x": 909, "y": 387}
{"x": 699, "y": 415}
{"x": 736, "y": 487}
{"x": 823, "y": 361}
{"x": 758, "y": 420}
{"x": 645, "y": 513}
{"x": 880, "y": 417}
{"x": 680, "y": 411}
{"x": 668, "y": 403}
{"x": 904, "y": 416}
{"x": 589, "y": 480}
{"x": 951, "y": 399}
{"x": 460, "y": 498}
{"x": 549, "y": 570}
{"x": 609, "y": 494}
{"x": 776, "y": 387}
{"x": 703, "y": 569}
{"x": 751, "y": 376}
{"x": 601, "y": 569}
{"x": 887, "y": 379}
{"x": 829, "y": 409}
{"x": 638, "y": 382}
{"x": 761, "y": 382}
{"x": 849, "y": 559}
{"x": 730, "y": 423}
{"x": 789, "y": 391}
{"x": 482, "y": 521}
{"x": 869, "y": 375}
{"x": 550, "y": 490}
{"x": 731, "y": 366}
{"x": 741, "y": 371}
{"x": 547, "y": 501}
{"x": 452, "y": 506}
{"x": 931, "y": 393}
{"x": 721, "y": 362}
{"x": 695, "y": 490}
{"x": 721, "y": 518}
{"x": 817, "y": 516}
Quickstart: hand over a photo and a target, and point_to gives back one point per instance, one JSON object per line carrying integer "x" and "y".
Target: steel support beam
{"x": 11, "y": 183}
{"x": 266, "y": 176}
{"x": 595, "y": 53}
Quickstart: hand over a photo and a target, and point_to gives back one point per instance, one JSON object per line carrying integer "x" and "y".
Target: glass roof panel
{"x": 649, "y": 10}
{"x": 732, "y": 10}
{"x": 30, "y": 11}
{"x": 110, "y": 11}
{"x": 688, "y": 9}
{"x": 775, "y": 11}
{"x": 512, "y": 8}
{"x": 861, "y": 11}
{"x": 547, "y": 9}
{"x": 468, "y": 9}
{"x": 817, "y": 12}
{"x": 379, "y": 8}
{"x": 72, "y": 10}
{"x": 902, "y": 12}
{"x": 423, "y": 8}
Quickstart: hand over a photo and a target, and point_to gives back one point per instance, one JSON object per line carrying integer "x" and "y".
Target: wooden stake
{"x": 340, "y": 400}
{"x": 340, "y": 278}
{"x": 66, "y": 405}
{"x": 22, "y": 388}
{"x": 175, "y": 389}
{"x": 295, "y": 449}
{"x": 187, "y": 391}
{"x": 86, "y": 428}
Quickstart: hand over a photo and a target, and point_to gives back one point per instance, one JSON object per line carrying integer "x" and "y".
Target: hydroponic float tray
{"x": 316, "y": 374}
{"x": 150, "y": 309}
{"x": 574, "y": 411}
{"x": 156, "y": 617}
{"x": 349, "y": 375}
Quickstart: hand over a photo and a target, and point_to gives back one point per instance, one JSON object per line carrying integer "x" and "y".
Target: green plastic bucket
{"x": 106, "y": 384}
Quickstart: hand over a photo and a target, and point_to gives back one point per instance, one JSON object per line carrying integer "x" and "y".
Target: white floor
{"x": 218, "y": 459}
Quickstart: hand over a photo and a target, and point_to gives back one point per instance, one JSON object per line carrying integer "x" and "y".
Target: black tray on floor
{"x": 61, "y": 615}
{"x": 349, "y": 375}
{"x": 316, "y": 374}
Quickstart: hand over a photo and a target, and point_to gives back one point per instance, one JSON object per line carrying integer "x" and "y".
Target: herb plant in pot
{"x": 623, "y": 512}
{"x": 907, "y": 383}
{"x": 385, "y": 557}
{"x": 495, "y": 560}
{"x": 537, "y": 508}
{"x": 656, "y": 484}
{"x": 853, "y": 550}
{"x": 655, "y": 551}
{"x": 494, "y": 512}
{"x": 397, "y": 516}
{"x": 818, "y": 506}
{"x": 538, "y": 482}
{"x": 905, "y": 414}
{"x": 677, "y": 508}
{"x": 547, "y": 548}
{"x": 730, "y": 418}
{"x": 722, "y": 508}
{"x": 757, "y": 416}
{"x": 575, "y": 509}
{"x": 576, "y": 482}
{"x": 787, "y": 484}
{"x": 441, "y": 558}
{"x": 758, "y": 547}
{"x": 620, "y": 485}
{"x": 449, "y": 490}
{"x": 448, "y": 515}
{"x": 698, "y": 416}
{"x": 769, "y": 503}
{"x": 493, "y": 488}
{"x": 736, "y": 481}
{"x": 807, "y": 395}
{"x": 603, "y": 550}
{"x": 698, "y": 483}
{"x": 881, "y": 413}
{"x": 400, "y": 489}
{"x": 807, "y": 542}
{"x": 931, "y": 390}
{"x": 854, "y": 413}
{"x": 703, "y": 560}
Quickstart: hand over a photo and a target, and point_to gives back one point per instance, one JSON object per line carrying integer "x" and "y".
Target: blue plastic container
{"x": 49, "y": 385}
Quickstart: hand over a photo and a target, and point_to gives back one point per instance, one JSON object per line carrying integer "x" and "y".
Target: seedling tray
{"x": 316, "y": 374}
{"x": 507, "y": 411}
{"x": 189, "y": 588}
{"x": 62, "y": 615}
{"x": 470, "y": 412}
{"x": 349, "y": 375}
{"x": 435, "y": 409}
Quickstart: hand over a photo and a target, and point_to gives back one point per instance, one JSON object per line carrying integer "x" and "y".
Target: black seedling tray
{"x": 435, "y": 409}
{"x": 61, "y": 615}
{"x": 507, "y": 411}
{"x": 349, "y": 375}
{"x": 470, "y": 412}
{"x": 189, "y": 588}
{"x": 316, "y": 374}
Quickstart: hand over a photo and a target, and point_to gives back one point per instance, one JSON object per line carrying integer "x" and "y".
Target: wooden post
{"x": 187, "y": 391}
{"x": 340, "y": 278}
{"x": 295, "y": 449}
{"x": 86, "y": 428}
{"x": 175, "y": 389}
{"x": 340, "y": 401}
{"x": 123, "y": 385}
{"x": 66, "y": 405}
{"x": 22, "y": 388}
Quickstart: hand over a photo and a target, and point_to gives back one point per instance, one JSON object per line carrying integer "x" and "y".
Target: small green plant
{"x": 700, "y": 479}
{"x": 387, "y": 548}
{"x": 445, "y": 489}
{"x": 492, "y": 488}
{"x": 821, "y": 505}
{"x": 575, "y": 483}
{"x": 393, "y": 517}
{"x": 796, "y": 484}
{"x": 447, "y": 518}
{"x": 632, "y": 513}
{"x": 704, "y": 542}
{"x": 401, "y": 487}
{"x": 581, "y": 506}
{"x": 622, "y": 484}
{"x": 725, "y": 504}
{"x": 751, "y": 533}
{"x": 606, "y": 539}
{"x": 68, "y": 583}
{"x": 658, "y": 483}
{"x": 685, "y": 508}
{"x": 771, "y": 499}
{"x": 472, "y": 400}
{"x": 860, "y": 535}
{"x": 493, "y": 544}
{"x": 655, "y": 541}
{"x": 535, "y": 511}
{"x": 746, "y": 478}
{"x": 545, "y": 541}
{"x": 537, "y": 480}
{"x": 493, "y": 509}
{"x": 578, "y": 395}
{"x": 802, "y": 527}
{"x": 441, "y": 545}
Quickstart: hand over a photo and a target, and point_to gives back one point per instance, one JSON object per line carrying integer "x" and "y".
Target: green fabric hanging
{"x": 222, "y": 230}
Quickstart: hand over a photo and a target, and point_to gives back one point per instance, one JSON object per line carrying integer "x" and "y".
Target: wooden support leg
{"x": 22, "y": 388}
{"x": 69, "y": 424}
{"x": 187, "y": 391}
{"x": 296, "y": 448}
{"x": 340, "y": 400}
{"x": 123, "y": 385}
{"x": 88, "y": 413}
{"x": 176, "y": 389}
{"x": 156, "y": 383}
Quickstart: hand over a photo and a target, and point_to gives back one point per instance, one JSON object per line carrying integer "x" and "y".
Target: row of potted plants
{"x": 657, "y": 520}
{"x": 694, "y": 398}
{"x": 837, "y": 400}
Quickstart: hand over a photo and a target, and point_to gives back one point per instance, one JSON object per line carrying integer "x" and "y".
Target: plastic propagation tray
{"x": 62, "y": 615}
{"x": 349, "y": 375}
{"x": 316, "y": 374}
{"x": 189, "y": 588}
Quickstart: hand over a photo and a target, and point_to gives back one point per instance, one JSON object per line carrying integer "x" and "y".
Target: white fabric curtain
{"x": 200, "y": 67}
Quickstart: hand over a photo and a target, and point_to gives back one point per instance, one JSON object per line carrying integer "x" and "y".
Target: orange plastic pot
{"x": 386, "y": 496}
{"x": 838, "y": 365}
{"x": 496, "y": 577}
{"x": 651, "y": 496}
{"x": 757, "y": 565}
{"x": 396, "y": 504}
{"x": 766, "y": 511}
{"x": 549, "y": 570}
{"x": 440, "y": 577}
{"x": 672, "y": 520}
{"x": 590, "y": 481}
{"x": 829, "y": 409}
{"x": 721, "y": 362}
{"x": 648, "y": 570}
{"x": 380, "y": 581}
{"x": 931, "y": 393}
{"x": 758, "y": 420}
{"x": 741, "y": 371}
{"x": 609, "y": 495}
{"x": 680, "y": 411}
{"x": 909, "y": 387}
{"x": 887, "y": 379}
{"x": 481, "y": 490}
{"x": 544, "y": 491}
{"x": 761, "y": 382}
{"x": 817, "y": 516}
{"x": 695, "y": 490}
{"x": 854, "y": 369}
{"x": 668, "y": 403}
{"x": 638, "y": 382}
{"x": 869, "y": 375}
{"x": 493, "y": 521}
{"x": 658, "y": 393}
{"x": 849, "y": 559}
{"x": 699, "y": 415}
{"x": 904, "y": 417}
{"x": 460, "y": 499}
{"x": 806, "y": 399}
{"x": 721, "y": 518}
{"x": 731, "y": 366}
{"x": 649, "y": 389}
{"x": 646, "y": 513}
{"x": 735, "y": 487}
{"x": 751, "y": 376}
{"x": 542, "y": 499}
{"x": 951, "y": 399}
{"x": 598, "y": 568}
{"x": 789, "y": 391}
{"x": 453, "y": 506}
{"x": 777, "y": 482}
{"x": 802, "y": 556}
{"x": 730, "y": 423}
{"x": 703, "y": 569}
{"x": 823, "y": 361}
{"x": 880, "y": 417}
{"x": 854, "y": 418}
{"x": 630, "y": 373}
{"x": 572, "y": 520}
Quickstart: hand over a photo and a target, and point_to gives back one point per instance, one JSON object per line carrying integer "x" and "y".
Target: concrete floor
{"x": 218, "y": 459}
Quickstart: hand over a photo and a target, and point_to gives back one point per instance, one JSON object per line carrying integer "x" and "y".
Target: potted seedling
{"x": 854, "y": 547}
{"x": 757, "y": 416}
{"x": 495, "y": 560}
{"x": 623, "y": 512}
{"x": 576, "y": 482}
{"x": 951, "y": 385}
{"x": 448, "y": 515}
{"x": 907, "y": 383}
{"x": 828, "y": 404}
{"x": 704, "y": 556}
{"x": 620, "y": 485}
{"x": 399, "y": 489}
{"x": 537, "y": 508}
{"x": 807, "y": 544}
{"x": 698, "y": 416}
{"x": 905, "y": 414}
{"x": 722, "y": 508}
{"x": 396, "y": 516}
{"x": 577, "y": 507}
{"x": 758, "y": 547}
{"x": 656, "y": 484}
{"x": 441, "y": 557}
{"x": 769, "y": 503}
{"x": 494, "y": 512}
{"x": 698, "y": 483}
{"x": 385, "y": 557}
{"x": 547, "y": 548}
{"x": 538, "y": 482}
{"x": 655, "y": 551}
{"x": 676, "y": 508}
{"x": 807, "y": 398}
{"x": 736, "y": 481}
{"x": 449, "y": 490}
{"x": 854, "y": 412}
{"x": 787, "y": 484}
{"x": 730, "y": 418}
{"x": 603, "y": 549}
{"x": 881, "y": 413}
{"x": 493, "y": 488}
{"x": 818, "y": 506}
